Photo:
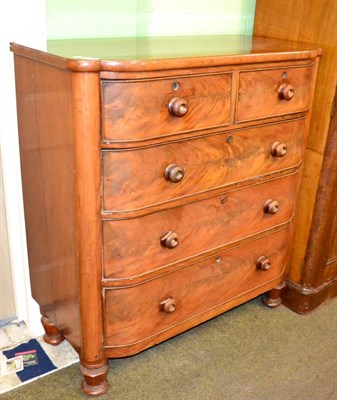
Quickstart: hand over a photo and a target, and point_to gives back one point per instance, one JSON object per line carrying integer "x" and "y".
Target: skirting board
{"x": 303, "y": 299}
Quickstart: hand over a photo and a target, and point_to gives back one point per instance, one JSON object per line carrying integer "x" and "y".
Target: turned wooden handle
{"x": 170, "y": 240}
{"x": 271, "y": 206}
{"x": 174, "y": 173}
{"x": 178, "y": 107}
{"x": 263, "y": 263}
{"x": 168, "y": 305}
{"x": 278, "y": 149}
{"x": 286, "y": 92}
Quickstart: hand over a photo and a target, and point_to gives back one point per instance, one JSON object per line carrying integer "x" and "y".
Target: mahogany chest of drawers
{"x": 160, "y": 178}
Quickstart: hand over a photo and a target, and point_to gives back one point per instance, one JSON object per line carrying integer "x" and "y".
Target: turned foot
{"x": 95, "y": 383}
{"x": 273, "y": 297}
{"x": 53, "y": 335}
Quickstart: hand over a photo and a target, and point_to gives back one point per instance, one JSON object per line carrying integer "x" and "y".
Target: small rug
{"x": 39, "y": 357}
{"x": 35, "y": 360}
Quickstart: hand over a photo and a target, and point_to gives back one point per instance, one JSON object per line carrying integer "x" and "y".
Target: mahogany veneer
{"x": 159, "y": 187}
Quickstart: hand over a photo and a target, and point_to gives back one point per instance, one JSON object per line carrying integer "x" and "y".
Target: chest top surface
{"x": 154, "y": 53}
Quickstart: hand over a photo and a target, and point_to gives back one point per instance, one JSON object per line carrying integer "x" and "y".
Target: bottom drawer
{"x": 139, "y": 316}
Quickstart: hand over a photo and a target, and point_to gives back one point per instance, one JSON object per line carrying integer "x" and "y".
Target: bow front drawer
{"x": 183, "y": 298}
{"x": 272, "y": 92}
{"x": 162, "y": 239}
{"x": 141, "y": 178}
{"x": 136, "y": 110}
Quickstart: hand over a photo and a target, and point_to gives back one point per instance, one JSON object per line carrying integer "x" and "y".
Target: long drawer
{"x": 137, "y": 179}
{"x": 188, "y": 296}
{"x": 135, "y": 246}
{"x": 144, "y": 109}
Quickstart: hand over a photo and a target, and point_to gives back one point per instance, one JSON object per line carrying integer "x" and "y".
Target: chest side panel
{"x": 45, "y": 120}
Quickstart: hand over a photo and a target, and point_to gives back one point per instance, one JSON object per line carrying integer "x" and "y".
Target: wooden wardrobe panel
{"x": 310, "y": 21}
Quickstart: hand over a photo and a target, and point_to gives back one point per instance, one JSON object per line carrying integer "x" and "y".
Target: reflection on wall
{"x": 124, "y": 18}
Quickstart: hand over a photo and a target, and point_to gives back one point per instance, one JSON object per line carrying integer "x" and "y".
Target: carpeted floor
{"x": 250, "y": 352}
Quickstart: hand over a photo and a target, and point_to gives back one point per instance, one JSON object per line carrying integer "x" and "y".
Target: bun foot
{"x": 95, "y": 383}
{"x": 52, "y": 336}
{"x": 273, "y": 297}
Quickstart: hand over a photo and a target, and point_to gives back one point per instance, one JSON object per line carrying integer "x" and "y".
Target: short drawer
{"x": 141, "y": 178}
{"x": 186, "y": 297}
{"x": 273, "y": 92}
{"x": 138, "y": 110}
{"x": 136, "y": 246}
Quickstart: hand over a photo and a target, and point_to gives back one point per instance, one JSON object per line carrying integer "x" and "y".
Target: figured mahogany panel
{"x": 199, "y": 227}
{"x": 272, "y": 92}
{"x": 134, "y": 314}
{"x": 143, "y": 109}
{"x": 48, "y": 179}
{"x": 136, "y": 179}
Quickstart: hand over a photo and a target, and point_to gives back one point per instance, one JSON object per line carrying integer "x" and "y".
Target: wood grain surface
{"x": 86, "y": 111}
{"x": 258, "y": 95}
{"x": 139, "y": 109}
{"x": 165, "y": 53}
{"x": 333, "y": 237}
{"x": 322, "y": 242}
{"x": 133, "y": 314}
{"x": 153, "y": 185}
{"x": 48, "y": 179}
{"x": 312, "y": 279}
{"x": 201, "y": 226}
{"x": 135, "y": 179}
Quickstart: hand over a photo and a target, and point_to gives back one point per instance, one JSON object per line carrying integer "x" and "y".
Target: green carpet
{"x": 250, "y": 352}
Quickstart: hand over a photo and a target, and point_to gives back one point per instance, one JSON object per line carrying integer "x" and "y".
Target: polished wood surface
{"x": 201, "y": 226}
{"x": 257, "y": 88}
{"x": 129, "y": 108}
{"x": 52, "y": 335}
{"x": 207, "y": 163}
{"x": 324, "y": 227}
{"x": 312, "y": 278}
{"x": 133, "y": 49}
{"x": 134, "y": 314}
{"x": 48, "y": 178}
{"x": 332, "y": 256}
{"x": 86, "y": 100}
{"x": 61, "y": 198}
{"x": 174, "y": 192}
{"x": 166, "y": 53}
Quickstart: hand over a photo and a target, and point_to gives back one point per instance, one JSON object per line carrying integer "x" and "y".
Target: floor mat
{"x": 35, "y": 361}
{"x": 38, "y": 357}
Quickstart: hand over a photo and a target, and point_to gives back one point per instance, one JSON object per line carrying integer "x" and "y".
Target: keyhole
{"x": 175, "y": 86}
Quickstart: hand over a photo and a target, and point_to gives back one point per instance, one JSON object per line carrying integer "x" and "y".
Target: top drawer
{"x": 145, "y": 109}
{"x": 273, "y": 92}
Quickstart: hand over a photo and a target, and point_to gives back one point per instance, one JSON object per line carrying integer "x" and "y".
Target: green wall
{"x": 108, "y": 18}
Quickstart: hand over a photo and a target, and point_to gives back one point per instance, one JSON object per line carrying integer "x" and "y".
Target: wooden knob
{"x": 286, "y": 92}
{"x": 263, "y": 263}
{"x": 168, "y": 305}
{"x": 170, "y": 240}
{"x": 178, "y": 107}
{"x": 278, "y": 149}
{"x": 174, "y": 173}
{"x": 271, "y": 206}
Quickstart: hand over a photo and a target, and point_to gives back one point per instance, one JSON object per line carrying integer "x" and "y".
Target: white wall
{"x": 148, "y": 18}
{"x": 22, "y": 21}
{"x": 7, "y": 301}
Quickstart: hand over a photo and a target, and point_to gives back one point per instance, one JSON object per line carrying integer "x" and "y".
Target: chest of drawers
{"x": 160, "y": 179}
